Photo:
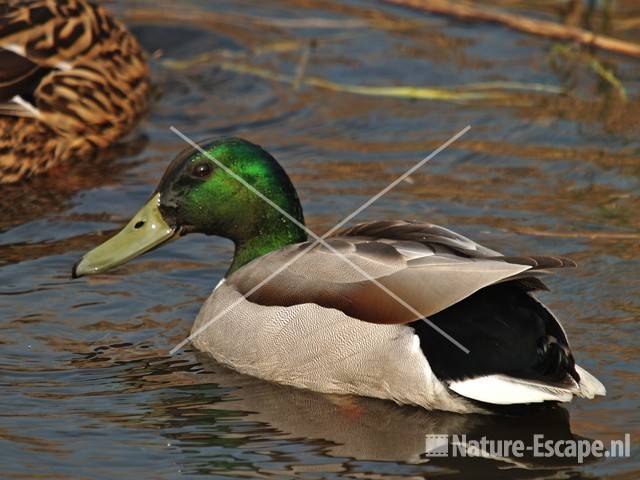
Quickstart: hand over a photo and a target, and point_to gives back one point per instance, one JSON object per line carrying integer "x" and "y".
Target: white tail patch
{"x": 504, "y": 390}
{"x": 589, "y": 385}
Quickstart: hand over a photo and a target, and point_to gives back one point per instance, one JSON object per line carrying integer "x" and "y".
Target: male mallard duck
{"x": 73, "y": 81}
{"x": 321, "y": 325}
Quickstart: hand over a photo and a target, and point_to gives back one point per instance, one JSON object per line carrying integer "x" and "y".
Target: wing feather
{"x": 403, "y": 271}
{"x": 18, "y": 76}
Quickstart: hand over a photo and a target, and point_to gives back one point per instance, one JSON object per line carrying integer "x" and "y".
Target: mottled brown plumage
{"x": 73, "y": 81}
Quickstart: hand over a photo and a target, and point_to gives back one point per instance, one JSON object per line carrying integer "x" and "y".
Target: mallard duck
{"x": 320, "y": 324}
{"x": 73, "y": 81}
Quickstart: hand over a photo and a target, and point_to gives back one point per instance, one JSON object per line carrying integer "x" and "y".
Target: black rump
{"x": 506, "y": 331}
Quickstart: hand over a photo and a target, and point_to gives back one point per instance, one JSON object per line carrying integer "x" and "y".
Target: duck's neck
{"x": 273, "y": 233}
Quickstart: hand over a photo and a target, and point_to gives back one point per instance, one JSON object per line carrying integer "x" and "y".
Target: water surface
{"x": 88, "y": 387}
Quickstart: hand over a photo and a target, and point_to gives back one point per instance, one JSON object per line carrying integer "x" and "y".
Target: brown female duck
{"x": 73, "y": 81}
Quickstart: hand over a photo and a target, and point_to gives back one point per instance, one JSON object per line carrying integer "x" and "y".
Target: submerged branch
{"x": 524, "y": 24}
{"x": 468, "y": 92}
{"x": 590, "y": 235}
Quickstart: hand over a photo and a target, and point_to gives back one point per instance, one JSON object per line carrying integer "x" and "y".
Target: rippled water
{"x": 88, "y": 387}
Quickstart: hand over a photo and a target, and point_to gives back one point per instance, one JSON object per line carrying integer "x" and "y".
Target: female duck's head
{"x": 200, "y": 192}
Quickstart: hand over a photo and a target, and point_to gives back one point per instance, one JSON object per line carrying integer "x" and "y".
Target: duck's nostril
{"x": 139, "y": 224}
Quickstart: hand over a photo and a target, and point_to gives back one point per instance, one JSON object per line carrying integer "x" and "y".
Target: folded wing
{"x": 384, "y": 272}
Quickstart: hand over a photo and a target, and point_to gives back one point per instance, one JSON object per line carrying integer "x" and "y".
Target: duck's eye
{"x": 202, "y": 170}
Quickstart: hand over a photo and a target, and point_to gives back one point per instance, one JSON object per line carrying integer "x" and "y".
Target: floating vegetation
{"x": 468, "y": 92}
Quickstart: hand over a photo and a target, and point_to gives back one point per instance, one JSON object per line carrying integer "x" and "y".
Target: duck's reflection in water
{"x": 376, "y": 430}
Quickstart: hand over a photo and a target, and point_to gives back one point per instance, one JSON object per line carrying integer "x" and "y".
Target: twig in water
{"x": 302, "y": 65}
{"x": 521, "y": 23}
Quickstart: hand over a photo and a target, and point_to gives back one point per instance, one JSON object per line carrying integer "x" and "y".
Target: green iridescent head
{"x": 200, "y": 192}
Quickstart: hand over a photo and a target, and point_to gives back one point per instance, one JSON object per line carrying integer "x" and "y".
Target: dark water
{"x": 88, "y": 387}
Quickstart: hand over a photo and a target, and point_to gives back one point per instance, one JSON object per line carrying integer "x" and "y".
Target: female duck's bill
{"x": 312, "y": 321}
